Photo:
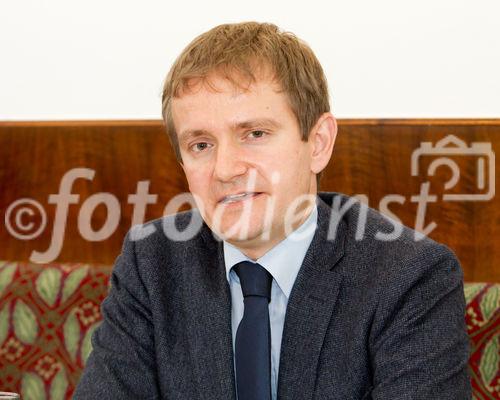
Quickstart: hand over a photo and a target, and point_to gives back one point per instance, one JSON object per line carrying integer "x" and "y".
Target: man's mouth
{"x": 233, "y": 198}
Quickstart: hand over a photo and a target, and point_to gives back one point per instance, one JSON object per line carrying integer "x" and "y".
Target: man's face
{"x": 244, "y": 161}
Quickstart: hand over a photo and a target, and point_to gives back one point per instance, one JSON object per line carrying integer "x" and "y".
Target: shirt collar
{"x": 284, "y": 260}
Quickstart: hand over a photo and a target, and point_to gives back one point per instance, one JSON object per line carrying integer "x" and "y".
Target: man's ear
{"x": 322, "y": 138}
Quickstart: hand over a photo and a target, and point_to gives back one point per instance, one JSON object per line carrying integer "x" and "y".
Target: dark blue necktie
{"x": 253, "y": 337}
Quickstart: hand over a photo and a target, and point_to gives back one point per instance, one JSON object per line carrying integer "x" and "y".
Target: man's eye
{"x": 257, "y": 134}
{"x": 197, "y": 147}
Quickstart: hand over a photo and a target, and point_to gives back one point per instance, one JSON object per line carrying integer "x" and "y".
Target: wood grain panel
{"x": 371, "y": 157}
{"x": 374, "y": 158}
{"x": 36, "y": 156}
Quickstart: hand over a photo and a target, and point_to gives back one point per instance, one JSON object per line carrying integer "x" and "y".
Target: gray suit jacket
{"x": 366, "y": 319}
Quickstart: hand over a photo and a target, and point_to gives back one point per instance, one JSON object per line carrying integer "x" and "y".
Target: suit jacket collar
{"x": 208, "y": 314}
{"x": 310, "y": 306}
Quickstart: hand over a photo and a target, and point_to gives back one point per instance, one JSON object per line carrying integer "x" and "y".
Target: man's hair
{"x": 242, "y": 50}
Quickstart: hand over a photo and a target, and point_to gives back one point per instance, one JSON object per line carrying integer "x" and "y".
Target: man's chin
{"x": 241, "y": 237}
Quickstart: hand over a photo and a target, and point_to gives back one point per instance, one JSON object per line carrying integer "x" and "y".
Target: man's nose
{"x": 229, "y": 162}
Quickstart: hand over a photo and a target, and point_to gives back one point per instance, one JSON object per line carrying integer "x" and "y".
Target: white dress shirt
{"x": 283, "y": 262}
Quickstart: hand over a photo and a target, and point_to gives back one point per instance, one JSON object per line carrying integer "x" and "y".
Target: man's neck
{"x": 256, "y": 248}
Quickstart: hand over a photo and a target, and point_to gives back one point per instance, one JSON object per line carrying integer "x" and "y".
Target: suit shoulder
{"x": 384, "y": 247}
{"x": 168, "y": 236}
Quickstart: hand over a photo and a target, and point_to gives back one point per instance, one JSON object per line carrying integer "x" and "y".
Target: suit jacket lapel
{"x": 208, "y": 315}
{"x": 309, "y": 310}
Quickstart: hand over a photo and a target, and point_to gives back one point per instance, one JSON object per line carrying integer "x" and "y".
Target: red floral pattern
{"x": 48, "y": 314}
{"x": 483, "y": 325}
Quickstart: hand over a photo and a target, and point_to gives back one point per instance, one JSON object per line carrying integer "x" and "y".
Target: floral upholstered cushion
{"x": 483, "y": 326}
{"x": 47, "y": 316}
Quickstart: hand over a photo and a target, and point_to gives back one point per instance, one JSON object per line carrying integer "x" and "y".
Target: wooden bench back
{"x": 371, "y": 157}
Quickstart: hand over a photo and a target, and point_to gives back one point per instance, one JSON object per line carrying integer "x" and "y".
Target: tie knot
{"x": 255, "y": 280}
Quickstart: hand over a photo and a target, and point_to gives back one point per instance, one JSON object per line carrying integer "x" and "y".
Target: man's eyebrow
{"x": 190, "y": 134}
{"x": 259, "y": 122}
{"x": 252, "y": 123}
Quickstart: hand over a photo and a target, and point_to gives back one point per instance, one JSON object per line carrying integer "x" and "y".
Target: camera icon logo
{"x": 451, "y": 146}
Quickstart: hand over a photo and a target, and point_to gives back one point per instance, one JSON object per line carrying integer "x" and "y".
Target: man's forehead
{"x": 231, "y": 79}
{"x": 256, "y": 101}
{"x": 192, "y": 110}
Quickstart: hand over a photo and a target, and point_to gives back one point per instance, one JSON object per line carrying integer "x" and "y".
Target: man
{"x": 276, "y": 296}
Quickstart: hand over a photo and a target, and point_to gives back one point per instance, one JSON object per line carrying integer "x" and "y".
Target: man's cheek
{"x": 196, "y": 182}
